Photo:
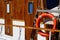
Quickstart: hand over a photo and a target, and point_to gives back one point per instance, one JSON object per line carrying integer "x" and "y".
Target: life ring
{"x": 43, "y": 15}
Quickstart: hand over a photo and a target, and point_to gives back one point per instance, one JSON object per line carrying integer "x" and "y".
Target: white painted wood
{"x": 16, "y": 32}
{"x": 39, "y": 37}
{"x": 21, "y": 23}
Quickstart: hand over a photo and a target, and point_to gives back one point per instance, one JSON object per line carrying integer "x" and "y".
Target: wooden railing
{"x": 28, "y": 27}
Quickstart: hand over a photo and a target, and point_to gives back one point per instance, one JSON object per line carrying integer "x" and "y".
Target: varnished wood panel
{"x": 8, "y": 20}
{"x": 29, "y": 18}
{"x": 16, "y": 12}
{"x": 18, "y": 9}
{"x": 2, "y": 9}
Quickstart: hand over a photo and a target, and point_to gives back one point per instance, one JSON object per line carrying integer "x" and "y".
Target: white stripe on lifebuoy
{"x": 38, "y": 23}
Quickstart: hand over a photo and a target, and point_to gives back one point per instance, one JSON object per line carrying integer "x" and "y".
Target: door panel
{"x": 18, "y": 9}
{"x": 29, "y": 18}
{"x": 16, "y": 13}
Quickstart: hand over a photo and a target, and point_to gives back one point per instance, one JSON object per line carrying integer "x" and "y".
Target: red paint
{"x": 39, "y": 20}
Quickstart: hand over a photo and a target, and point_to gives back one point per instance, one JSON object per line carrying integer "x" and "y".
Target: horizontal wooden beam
{"x": 32, "y": 28}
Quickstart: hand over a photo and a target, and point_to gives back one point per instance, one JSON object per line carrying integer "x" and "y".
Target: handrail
{"x": 28, "y": 27}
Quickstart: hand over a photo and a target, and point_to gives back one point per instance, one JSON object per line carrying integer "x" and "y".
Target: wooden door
{"x": 8, "y": 17}
{"x": 16, "y": 13}
{"x": 29, "y": 18}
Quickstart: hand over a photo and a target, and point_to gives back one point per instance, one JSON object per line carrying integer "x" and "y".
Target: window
{"x": 30, "y": 7}
{"x": 8, "y": 8}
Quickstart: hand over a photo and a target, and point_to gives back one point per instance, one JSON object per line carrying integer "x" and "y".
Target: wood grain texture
{"x": 29, "y": 18}
{"x": 18, "y": 9}
{"x": 16, "y": 12}
{"x": 8, "y": 20}
{"x": 2, "y": 9}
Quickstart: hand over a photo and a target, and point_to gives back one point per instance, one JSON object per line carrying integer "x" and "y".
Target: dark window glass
{"x": 52, "y": 3}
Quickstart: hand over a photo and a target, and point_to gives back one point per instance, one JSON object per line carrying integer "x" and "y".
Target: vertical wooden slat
{"x": 27, "y": 22}
{"x": 8, "y": 20}
{"x": 29, "y": 18}
{"x": 2, "y": 9}
{"x": 35, "y": 11}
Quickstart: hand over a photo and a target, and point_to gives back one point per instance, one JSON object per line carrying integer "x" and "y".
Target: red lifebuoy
{"x": 39, "y": 20}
